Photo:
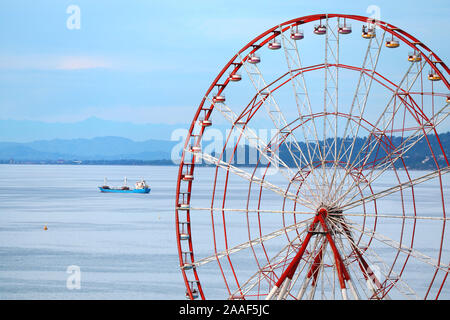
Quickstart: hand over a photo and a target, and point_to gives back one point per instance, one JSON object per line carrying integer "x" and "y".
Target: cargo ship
{"x": 139, "y": 187}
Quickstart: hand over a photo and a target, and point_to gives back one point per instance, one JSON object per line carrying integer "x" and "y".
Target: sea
{"x": 60, "y": 238}
{"x": 120, "y": 246}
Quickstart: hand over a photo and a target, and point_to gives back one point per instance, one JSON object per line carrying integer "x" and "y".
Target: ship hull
{"x": 113, "y": 190}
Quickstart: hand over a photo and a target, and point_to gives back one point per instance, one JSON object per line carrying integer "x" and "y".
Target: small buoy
{"x": 45, "y": 227}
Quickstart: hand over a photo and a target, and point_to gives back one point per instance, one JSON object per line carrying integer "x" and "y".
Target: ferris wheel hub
{"x": 327, "y": 211}
{"x": 323, "y": 211}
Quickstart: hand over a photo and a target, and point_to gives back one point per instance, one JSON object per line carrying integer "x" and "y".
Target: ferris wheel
{"x": 331, "y": 180}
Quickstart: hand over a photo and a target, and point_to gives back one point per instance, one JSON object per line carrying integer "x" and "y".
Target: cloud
{"x": 49, "y": 62}
{"x": 134, "y": 63}
{"x": 78, "y": 63}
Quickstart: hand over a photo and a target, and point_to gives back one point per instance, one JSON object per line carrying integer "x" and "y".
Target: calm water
{"x": 124, "y": 244}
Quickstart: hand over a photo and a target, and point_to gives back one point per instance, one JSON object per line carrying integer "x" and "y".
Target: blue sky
{"x": 151, "y": 61}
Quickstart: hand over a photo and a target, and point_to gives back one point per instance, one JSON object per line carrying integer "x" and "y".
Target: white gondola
{"x": 194, "y": 291}
{"x": 194, "y": 294}
{"x": 187, "y": 177}
{"x": 254, "y": 59}
{"x": 184, "y": 236}
{"x": 274, "y": 45}
{"x": 196, "y": 149}
{"x": 235, "y": 77}
{"x": 187, "y": 266}
{"x": 320, "y": 29}
{"x": 183, "y": 233}
{"x": 345, "y": 29}
{"x": 184, "y": 206}
{"x": 297, "y": 35}
{"x": 219, "y": 98}
{"x": 205, "y": 123}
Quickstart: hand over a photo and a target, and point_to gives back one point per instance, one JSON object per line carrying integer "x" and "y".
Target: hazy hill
{"x": 418, "y": 156}
{"x": 120, "y": 150}
{"x": 103, "y": 148}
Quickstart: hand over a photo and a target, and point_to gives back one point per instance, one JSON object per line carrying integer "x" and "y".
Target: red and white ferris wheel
{"x": 326, "y": 201}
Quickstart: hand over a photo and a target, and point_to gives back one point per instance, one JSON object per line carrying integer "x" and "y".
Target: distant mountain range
{"x": 103, "y": 148}
{"x": 119, "y": 150}
{"x": 382, "y": 150}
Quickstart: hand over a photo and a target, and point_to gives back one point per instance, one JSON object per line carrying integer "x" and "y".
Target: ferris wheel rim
{"x": 393, "y": 30}
{"x": 400, "y": 34}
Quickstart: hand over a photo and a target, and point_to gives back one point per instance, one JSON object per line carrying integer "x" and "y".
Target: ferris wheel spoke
{"x": 393, "y": 156}
{"x": 264, "y": 149}
{"x": 273, "y": 110}
{"x": 372, "y": 145}
{"x": 266, "y": 272}
{"x": 302, "y": 99}
{"x": 253, "y": 179}
{"x": 251, "y": 243}
{"x": 367, "y": 70}
{"x": 395, "y": 216}
{"x": 382, "y": 117}
{"x": 378, "y": 287}
{"x": 401, "y": 186}
{"x": 419, "y": 256}
{"x": 277, "y": 116}
{"x": 278, "y": 261}
{"x": 387, "y": 165}
{"x": 252, "y": 210}
{"x": 363, "y": 88}
{"x": 254, "y": 140}
{"x": 399, "y": 151}
{"x": 391, "y": 278}
{"x": 330, "y": 95}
